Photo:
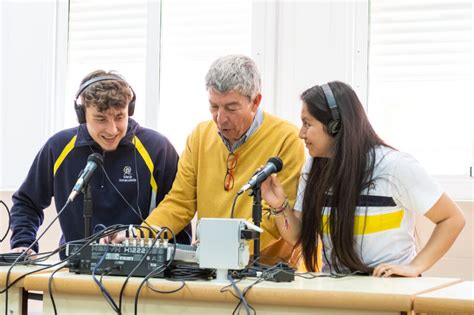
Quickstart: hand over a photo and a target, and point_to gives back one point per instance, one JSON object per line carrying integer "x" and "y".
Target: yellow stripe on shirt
{"x": 68, "y": 148}
{"x": 373, "y": 223}
{"x": 149, "y": 163}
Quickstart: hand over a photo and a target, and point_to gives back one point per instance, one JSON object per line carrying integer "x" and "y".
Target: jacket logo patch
{"x": 127, "y": 175}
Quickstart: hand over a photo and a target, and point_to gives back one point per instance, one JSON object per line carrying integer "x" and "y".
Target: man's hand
{"x": 23, "y": 249}
{"x": 31, "y": 254}
{"x": 115, "y": 238}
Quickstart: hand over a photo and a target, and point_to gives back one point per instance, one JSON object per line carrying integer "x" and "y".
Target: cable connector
{"x": 249, "y": 234}
{"x": 281, "y": 272}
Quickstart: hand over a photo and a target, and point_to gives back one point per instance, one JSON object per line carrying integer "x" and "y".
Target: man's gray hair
{"x": 234, "y": 72}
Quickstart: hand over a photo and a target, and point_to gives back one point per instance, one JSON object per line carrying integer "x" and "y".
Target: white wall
{"x": 27, "y": 67}
{"x": 458, "y": 262}
{"x": 49, "y": 241}
{"x": 299, "y": 44}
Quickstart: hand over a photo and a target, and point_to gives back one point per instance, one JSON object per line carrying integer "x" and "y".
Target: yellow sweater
{"x": 199, "y": 183}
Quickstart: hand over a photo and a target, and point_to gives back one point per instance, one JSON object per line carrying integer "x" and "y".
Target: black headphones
{"x": 335, "y": 124}
{"x": 80, "y": 111}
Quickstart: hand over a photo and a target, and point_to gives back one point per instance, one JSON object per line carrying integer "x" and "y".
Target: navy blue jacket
{"x": 143, "y": 169}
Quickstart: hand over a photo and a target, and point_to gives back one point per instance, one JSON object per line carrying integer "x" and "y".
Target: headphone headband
{"x": 331, "y": 101}
{"x": 80, "y": 108}
{"x": 335, "y": 124}
{"x": 89, "y": 82}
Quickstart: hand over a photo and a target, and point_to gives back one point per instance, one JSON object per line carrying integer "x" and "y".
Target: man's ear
{"x": 256, "y": 101}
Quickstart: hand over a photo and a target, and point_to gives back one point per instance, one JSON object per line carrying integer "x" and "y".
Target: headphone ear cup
{"x": 131, "y": 107}
{"x": 334, "y": 127}
{"x": 80, "y": 113}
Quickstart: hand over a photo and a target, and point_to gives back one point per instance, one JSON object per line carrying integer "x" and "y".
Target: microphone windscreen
{"x": 277, "y": 162}
{"x": 97, "y": 158}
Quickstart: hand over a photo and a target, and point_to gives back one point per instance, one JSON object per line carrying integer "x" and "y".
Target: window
{"x": 163, "y": 48}
{"x": 420, "y": 81}
{"x": 194, "y": 34}
{"x": 107, "y": 35}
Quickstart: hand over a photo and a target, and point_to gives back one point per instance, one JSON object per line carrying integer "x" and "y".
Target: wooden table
{"x": 457, "y": 298}
{"x": 78, "y": 294}
{"x": 16, "y": 294}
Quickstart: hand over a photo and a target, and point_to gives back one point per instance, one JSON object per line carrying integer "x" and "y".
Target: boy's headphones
{"x": 335, "y": 124}
{"x": 80, "y": 111}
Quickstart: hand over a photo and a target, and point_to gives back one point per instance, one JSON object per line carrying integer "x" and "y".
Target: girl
{"x": 359, "y": 196}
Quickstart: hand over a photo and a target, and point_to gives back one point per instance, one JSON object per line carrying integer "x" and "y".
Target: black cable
{"x": 245, "y": 291}
{"x": 126, "y": 201}
{"x": 233, "y": 206}
{"x": 24, "y": 275}
{"x": 253, "y": 272}
{"x": 136, "y": 267}
{"x": 110, "y": 230}
{"x": 241, "y": 296}
{"x": 150, "y": 286}
{"x": 35, "y": 259}
{"x": 7, "y": 285}
{"x": 88, "y": 240}
{"x": 120, "y": 194}
{"x": 138, "y": 213}
{"x": 107, "y": 271}
{"x": 103, "y": 290}
{"x": 226, "y": 289}
{"x": 312, "y": 275}
{"x": 50, "y": 288}
{"x": 26, "y": 251}
{"x": 191, "y": 272}
{"x": 50, "y": 279}
{"x": 97, "y": 227}
{"x": 157, "y": 270}
{"x": 9, "y": 221}
{"x": 136, "y": 174}
{"x": 238, "y": 297}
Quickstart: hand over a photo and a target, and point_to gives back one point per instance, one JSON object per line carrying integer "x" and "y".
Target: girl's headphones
{"x": 80, "y": 111}
{"x": 335, "y": 124}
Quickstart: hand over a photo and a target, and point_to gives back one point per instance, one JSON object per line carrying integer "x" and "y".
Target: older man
{"x": 223, "y": 153}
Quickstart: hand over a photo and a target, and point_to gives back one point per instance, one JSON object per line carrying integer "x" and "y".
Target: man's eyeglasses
{"x": 229, "y": 176}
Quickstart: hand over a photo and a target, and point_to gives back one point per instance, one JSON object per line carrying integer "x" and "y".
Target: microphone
{"x": 274, "y": 165}
{"x": 94, "y": 160}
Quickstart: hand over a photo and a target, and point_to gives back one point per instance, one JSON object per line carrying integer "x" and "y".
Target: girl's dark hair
{"x": 338, "y": 181}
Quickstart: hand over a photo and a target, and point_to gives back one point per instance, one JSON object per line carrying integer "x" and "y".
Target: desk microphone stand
{"x": 257, "y": 218}
{"x": 87, "y": 210}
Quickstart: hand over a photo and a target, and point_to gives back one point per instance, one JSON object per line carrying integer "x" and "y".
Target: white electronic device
{"x": 222, "y": 246}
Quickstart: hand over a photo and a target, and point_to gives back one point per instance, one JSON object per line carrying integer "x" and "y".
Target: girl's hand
{"x": 387, "y": 270}
{"x": 272, "y": 191}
